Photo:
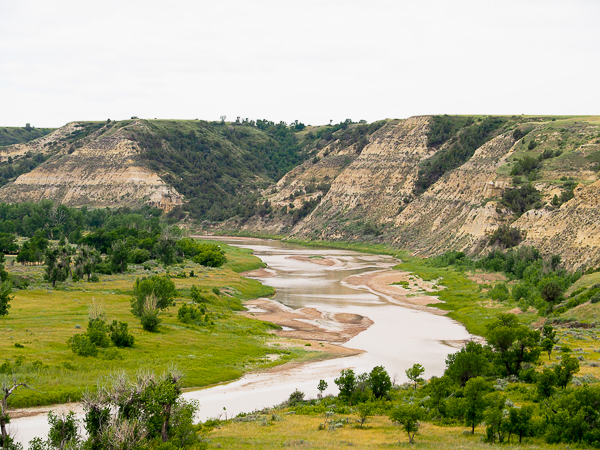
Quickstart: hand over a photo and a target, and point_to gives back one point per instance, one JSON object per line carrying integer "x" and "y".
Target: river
{"x": 398, "y": 337}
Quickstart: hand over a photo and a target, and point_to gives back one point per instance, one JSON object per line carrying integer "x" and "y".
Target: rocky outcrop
{"x": 460, "y": 210}
{"x": 572, "y": 231}
{"x": 373, "y": 186}
{"x": 105, "y": 171}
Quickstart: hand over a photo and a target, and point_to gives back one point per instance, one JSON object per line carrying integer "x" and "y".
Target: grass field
{"x": 42, "y": 319}
{"x": 301, "y": 432}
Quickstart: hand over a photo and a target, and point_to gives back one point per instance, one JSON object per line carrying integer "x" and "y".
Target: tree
{"x": 63, "y": 430}
{"x": 474, "y": 401}
{"x": 8, "y": 243}
{"x": 5, "y": 289}
{"x": 86, "y": 261}
{"x": 127, "y": 412}
{"x": 5, "y": 297}
{"x": 519, "y": 422}
{"x": 8, "y": 386}
{"x": 414, "y": 374}
{"x": 548, "y": 339}
{"x": 552, "y": 293}
{"x": 408, "y": 416}
{"x": 566, "y": 369}
{"x": 438, "y": 389}
{"x": 322, "y": 387}
{"x": 379, "y": 382}
{"x": 473, "y": 360}
{"x": 545, "y": 383}
{"x": 119, "y": 255}
{"x": 364, "y": 410}
{"x": 161, "y": 287}
{"x": 165, "y": 248}
{"x": 513, "y": 343}
{"x": 346, "y": 383}
{"x": 58, "y": 264}
{"x": 494, "y": 417}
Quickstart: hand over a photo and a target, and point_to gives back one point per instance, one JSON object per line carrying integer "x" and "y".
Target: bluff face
{"x": 97, "y": 166}
{"x": 374, "y": 196}
{"x": 427, "y": 184}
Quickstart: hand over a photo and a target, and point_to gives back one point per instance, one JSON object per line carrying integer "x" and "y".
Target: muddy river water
{"x": 398, "y": 337}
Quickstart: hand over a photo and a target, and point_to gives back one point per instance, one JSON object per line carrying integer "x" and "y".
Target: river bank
{"x": 397, "y": 337}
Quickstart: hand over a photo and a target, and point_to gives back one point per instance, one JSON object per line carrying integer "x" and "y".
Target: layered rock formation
{"x": 105, "y": 170}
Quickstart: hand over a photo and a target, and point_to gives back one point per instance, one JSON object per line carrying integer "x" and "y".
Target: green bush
{"x": 525, "y": 166}
{"x": 506, "y": 236}
{"x": 119, "y": 334}
{"x": 521, "y": 199}
{"x": 499, "y": 292}
{"x": 139, "y": 255}
{"x": 192, "y": 314}
{"x": 97, "y": 333}
{"x": 150, "y": 320}
{"x": 82, "y": 345}
{"x": 161, "y": 287}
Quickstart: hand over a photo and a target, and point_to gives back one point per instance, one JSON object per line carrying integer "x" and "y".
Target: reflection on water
{"x": 398, "y": 338}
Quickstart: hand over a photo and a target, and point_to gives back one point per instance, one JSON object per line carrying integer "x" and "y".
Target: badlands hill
{"x": 428, "y": 183}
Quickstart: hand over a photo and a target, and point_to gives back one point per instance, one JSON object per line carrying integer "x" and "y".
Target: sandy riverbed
{"x": 308, "y": 323}
{"x": 414, "y": 294}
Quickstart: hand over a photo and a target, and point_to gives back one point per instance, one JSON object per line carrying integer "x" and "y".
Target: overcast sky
{"x": 315, "y": 61}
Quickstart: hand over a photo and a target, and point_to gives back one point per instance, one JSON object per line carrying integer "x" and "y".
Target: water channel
{"x": 398, "y": 337}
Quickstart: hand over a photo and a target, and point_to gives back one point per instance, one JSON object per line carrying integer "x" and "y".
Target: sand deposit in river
{"x": 308, "y": 323}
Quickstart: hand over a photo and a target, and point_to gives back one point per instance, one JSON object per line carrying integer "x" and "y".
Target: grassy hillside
{"x": 220, "y": 168}
{"x": 18, "y": 135}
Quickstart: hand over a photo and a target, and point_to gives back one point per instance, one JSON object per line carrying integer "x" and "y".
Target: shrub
{"x": 521, "y": 199}
{"x": 295, "y": 398}
{"x": 150, "y": 320}
{"x": 96, "y": 332}
{"x": 139, "y": 255}
{"x": 161, "y": 288}
{"x": 192, "y": 314}
{"x": 82, "y": 345}
{"x": 506, "y": 236}
{"x": 210, "y": 256}
{"x": 119, "y": 334}
{"x": 525, "y": 166}
{"x": 499, "y": 292}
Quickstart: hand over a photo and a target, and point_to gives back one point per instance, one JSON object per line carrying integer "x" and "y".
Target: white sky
{"x": 65, "y": 60}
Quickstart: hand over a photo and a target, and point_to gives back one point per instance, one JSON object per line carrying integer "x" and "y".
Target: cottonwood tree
{"x": 474, "y": 401}
{"x": 408, "y": 416}
{"x": 414, "y": 374}
{"x": 513, "y": 343}
{"x": 473, "y": 360}
{"x": 9, "y": 384}
{"x": 379, "y": 382}
{"x": 548, "y": 339}
{"x": 151, "y": 295}
{"x": 86, "y": 261}
{"x": 58, "y": 264}
{"x": 322, "y": 387}
{"x": 128, "y": 411}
